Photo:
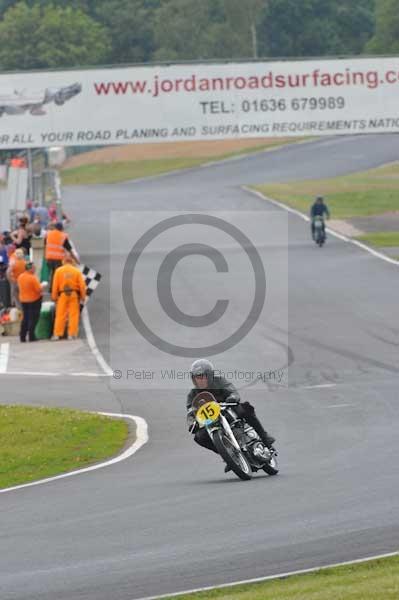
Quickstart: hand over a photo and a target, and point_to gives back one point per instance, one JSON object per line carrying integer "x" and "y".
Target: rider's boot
{"x": 266, "y": 438}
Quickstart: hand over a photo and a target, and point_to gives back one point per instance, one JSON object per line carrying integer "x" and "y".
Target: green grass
{"x": 254, "y": 149}
{"x": 123, "y": 171}
{"x": 361, "y": 194}
{"x": 381, "y": 239}
{"x": 40, "y": 442}
{"x": 113, "y": 172}
{"x": 376, "y": 580}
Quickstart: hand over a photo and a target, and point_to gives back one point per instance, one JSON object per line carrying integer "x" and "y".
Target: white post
{"x": 5, "y": 221}
{"x": 30, "y": 173}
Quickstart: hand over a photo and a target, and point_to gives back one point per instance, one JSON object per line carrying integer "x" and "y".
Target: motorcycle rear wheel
{"x": 231, "y": 456}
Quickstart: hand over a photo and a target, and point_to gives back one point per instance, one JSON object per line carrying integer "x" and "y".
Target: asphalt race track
{"x": 168, "y": 519}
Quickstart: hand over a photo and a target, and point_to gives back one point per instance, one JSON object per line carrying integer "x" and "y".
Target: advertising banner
{"x": 199, "y": 102}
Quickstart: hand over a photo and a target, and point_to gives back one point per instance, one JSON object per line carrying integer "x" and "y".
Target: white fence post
{"x": 5, "y": 222}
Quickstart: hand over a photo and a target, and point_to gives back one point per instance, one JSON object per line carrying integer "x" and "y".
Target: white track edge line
{"x": 53, "y": 374}
{"x": 141, "y": 439}
{"x": 4, "y": 354}
{"x": 331, "y": 231}
{"x": 320, "y": 385}
{"x": 271, "y": 577}
{"x": 92, "y": 343}
{"x": 34, "y": 373}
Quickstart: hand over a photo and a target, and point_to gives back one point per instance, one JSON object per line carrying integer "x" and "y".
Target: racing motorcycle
{"x": 319, "y": 232}
{"x": 237, "y": 442}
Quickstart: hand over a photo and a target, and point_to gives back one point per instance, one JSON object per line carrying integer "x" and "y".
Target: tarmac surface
{"x": 45, "y": 357}
{"x": 169, "y": 519}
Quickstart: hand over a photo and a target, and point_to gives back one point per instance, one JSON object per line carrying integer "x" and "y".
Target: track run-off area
{"x": 168, "y": 519}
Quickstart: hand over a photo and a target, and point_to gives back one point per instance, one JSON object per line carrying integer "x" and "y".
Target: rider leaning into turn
{"x": 204, "y": 379}
{"x": 319, "y": 209}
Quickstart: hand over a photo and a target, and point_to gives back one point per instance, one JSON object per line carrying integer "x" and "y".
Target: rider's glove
{"x": 193, "y": 427}
{"x": 191, "y": 422}
{"x": 231, "y": 399}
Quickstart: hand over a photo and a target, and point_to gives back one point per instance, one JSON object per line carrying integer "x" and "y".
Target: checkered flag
{"x": 92, "y": 279}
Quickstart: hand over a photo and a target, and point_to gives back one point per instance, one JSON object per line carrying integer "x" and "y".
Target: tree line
{"x": 46, "y": 34}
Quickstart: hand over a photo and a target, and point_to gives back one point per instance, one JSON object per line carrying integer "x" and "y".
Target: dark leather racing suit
{"x": 223, "y": 391}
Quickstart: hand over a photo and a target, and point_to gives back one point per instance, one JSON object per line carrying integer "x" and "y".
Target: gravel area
{"x": 132, "y": 152}
{"x": 385, "y": 222}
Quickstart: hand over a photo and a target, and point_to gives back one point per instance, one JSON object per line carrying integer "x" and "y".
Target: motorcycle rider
{"x": 319, "y": 209}
{"x": 204, "y": 379}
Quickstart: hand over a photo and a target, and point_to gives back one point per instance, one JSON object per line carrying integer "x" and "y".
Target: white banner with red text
{"x": 199, "y": 102}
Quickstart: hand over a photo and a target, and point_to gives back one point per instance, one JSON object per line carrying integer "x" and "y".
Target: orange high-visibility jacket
{"x": 17, "y": 266}
{"x": 55, "y": 245}
{"x": 29, "y": 286}
{"x": 66, "y": 278}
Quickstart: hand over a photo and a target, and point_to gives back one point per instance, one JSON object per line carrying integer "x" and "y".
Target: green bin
{"x": 44, "y": 273}
{"x": 44, "y": 327}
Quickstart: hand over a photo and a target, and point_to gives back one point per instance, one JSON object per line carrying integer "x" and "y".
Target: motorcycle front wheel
{"x": 234, "y": 458}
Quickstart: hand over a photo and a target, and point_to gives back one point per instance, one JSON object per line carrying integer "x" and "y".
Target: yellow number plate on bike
{"x": 208, "y": 413}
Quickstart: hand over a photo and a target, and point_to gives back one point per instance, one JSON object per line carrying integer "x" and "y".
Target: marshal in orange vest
{"x": 55, "y": 245}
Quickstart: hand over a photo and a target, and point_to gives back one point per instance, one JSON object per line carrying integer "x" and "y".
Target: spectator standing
{"x": 68, "y": 290}
{"x": 36, "y": 229}
{"x": 30, "y": 294}
{"x": 40, "y": 213}
{"x": 9, "y": 244}
{"x": 4, "y": 284}
{"x": 3, "y": 252}
{"x": 29, "y": 210}
{"x": 65, "y": 219}
{"x": 21, "y": 236}
{"x": 16, "y": 267}
{"x": 52, "y": 212}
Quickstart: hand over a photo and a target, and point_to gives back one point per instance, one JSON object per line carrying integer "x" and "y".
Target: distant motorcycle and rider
{"x": 222, "y": 423}
{"x": 318, "y": 212}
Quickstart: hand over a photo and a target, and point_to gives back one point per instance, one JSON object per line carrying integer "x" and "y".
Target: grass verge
{"x": 381, "y": 239}
{"x": 377, "y": 579}
{"x": 114, "y": 172}
{"x": 362, "y": 194}
{"x": 40, "y": 442}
